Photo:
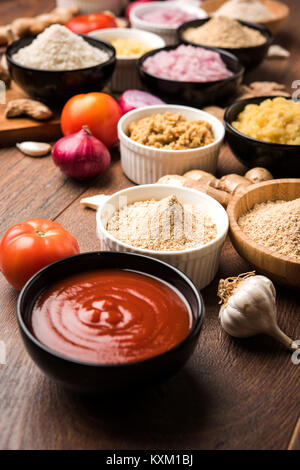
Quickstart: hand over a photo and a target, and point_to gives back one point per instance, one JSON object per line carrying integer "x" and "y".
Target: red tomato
{"x": 83, "y": 24}
{"x": 99, "y": 111}
{"x": 28, "y": 247}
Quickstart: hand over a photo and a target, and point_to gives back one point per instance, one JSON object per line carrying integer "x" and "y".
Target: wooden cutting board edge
{"x": 20, "y": 129}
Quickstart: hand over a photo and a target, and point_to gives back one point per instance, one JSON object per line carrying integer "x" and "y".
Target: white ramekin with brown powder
{"x": 200, "y": 263}
{"x": 145, "y": 165}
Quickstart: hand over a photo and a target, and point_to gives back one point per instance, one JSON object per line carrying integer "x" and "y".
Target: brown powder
{"x": 224, "y": 32}
{"x": 171, "y": 131}
{"x": 164, "y": 225}
{"x": 275, "y": 225}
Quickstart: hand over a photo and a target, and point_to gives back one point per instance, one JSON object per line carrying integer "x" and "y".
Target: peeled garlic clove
{"x": 93, "y": 202}
{"x": 34, "y": 149}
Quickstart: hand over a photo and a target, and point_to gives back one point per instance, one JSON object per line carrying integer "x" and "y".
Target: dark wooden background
{"x": 233, "y": 394}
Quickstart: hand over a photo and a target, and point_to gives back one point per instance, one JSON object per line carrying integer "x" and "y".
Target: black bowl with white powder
{"x": 55, "y": 86}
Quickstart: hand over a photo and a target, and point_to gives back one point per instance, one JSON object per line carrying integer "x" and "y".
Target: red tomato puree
{"x": 110, "y": 317}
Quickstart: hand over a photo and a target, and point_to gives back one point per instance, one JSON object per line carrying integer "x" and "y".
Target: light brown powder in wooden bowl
{"x": 275, "y": 225}
{"x": 164, "y": 225}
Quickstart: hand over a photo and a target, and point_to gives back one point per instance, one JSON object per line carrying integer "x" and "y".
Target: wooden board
{"x": 20, "y": 129}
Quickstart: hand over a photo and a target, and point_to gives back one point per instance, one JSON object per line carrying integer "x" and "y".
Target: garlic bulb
{"x": 250, "y": 308}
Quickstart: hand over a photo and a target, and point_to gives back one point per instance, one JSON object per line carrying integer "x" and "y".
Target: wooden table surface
{"x": 233, "y": 394}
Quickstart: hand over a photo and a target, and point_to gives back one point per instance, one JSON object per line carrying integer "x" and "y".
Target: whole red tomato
{"x": 99, "y": 111}
{"x": 30, "y": 246}
{"x": 84, "y": 24}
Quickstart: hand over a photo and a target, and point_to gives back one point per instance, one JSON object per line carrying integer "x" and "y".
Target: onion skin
{"x": 81, "y": 155}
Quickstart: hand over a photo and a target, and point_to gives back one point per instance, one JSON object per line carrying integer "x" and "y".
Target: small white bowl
{"x": 94, "y": 6}
{"x": 168, "y": 33}
{"x": 144, "y": 165}
{"x": 126, "y": 74}
{"x": 200, "y": 264}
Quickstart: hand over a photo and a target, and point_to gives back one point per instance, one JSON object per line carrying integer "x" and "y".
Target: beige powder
{"x": 164, "y": 225}
{"x": 171, "y": 131}
{"x": 247, "y": 10}
{"x": 275, "y": 225}
{"x": 224, "y": 32}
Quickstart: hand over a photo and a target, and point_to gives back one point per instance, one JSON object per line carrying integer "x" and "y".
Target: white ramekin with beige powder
{"x": 168, "y": 33}
{"x": 200, "y": 264}
{"x": 94, "y": 6}
{"x": 144, "y": 165}
{"x": 126, "y": 74}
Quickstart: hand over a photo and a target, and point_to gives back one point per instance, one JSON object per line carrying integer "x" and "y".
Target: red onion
{"x": 133, "y": 99}
{"x": 134, "y": 4}
{"x": 81, "y": 155}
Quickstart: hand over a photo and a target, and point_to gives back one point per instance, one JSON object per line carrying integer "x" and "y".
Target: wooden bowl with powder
{"x": 262, "y": 231}
{"x": 279, "y": 12}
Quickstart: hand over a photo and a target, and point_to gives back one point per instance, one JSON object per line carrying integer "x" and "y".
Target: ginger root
{"x": 31, "y": 108}
{"x": 202, "y": 177}
{"x": 176, "y": 180}
{"x": 261, "y": 89}
{"x": 220, "y": 189}
{"x": 258, "y": 175}
{"x": 233, "y": 184}
{"x": 22, "y": 27}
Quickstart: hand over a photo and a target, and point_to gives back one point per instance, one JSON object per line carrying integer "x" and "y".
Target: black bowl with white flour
{"x": 58, "y": 64}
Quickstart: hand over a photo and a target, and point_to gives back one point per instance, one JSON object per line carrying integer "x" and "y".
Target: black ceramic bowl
{"x": 193, "y": 93}
{"x": 94, "y": 378}
{"x": 249, "y": 56}
{"x": 56, "y": 87}
{"x": 282, "y": 160}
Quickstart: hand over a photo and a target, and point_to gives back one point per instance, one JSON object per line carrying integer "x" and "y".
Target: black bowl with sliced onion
{"x": 193, "y": 93}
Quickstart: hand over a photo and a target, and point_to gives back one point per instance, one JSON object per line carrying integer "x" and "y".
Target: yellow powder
{"x": 273, "y": 120}
{"x": 128, "y": 47}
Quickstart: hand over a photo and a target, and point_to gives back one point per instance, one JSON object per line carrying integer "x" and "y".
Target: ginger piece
{"x": 202, "y": 177}
{"x": 261, "y": 89}
{"x": 258, "y": 175}
{"x": 21, "y": 26}
{"x": 176, "y": 180}
{"x": 28, "y": 107}
{"x": 27, "y": 26}
{"x": 233, "y": 184}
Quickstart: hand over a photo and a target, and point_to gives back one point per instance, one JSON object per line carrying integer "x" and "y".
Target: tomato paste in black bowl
{"x": 193, "y": 93}
{"x": 282, "y": 160}
{"x": 250, "y": 57}
{"x": 107, "y": 321}
{"x": 55, "y": 87}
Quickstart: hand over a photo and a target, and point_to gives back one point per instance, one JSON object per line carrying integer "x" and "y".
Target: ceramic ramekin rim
{"x": 216, "y": 124}
{"x": 193, "y": 331}
{"x": 130, "y": 32}
{"x": 134, "y": 18}
{"x": 167, "y": 254}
